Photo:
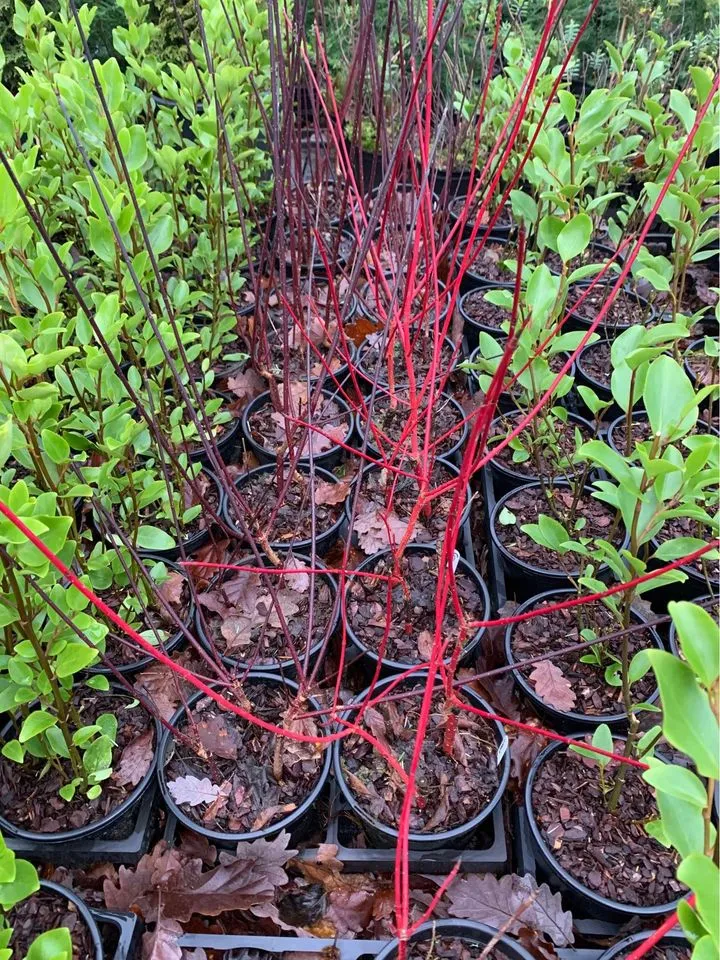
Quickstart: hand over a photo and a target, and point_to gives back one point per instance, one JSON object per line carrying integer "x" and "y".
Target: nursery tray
{"x": 81, "y": 853}
{"x": 315, "y": 947}
{"x": 120, "y": 933}
{"x": 489, "y": 854}
{"x": 496, "y": 575}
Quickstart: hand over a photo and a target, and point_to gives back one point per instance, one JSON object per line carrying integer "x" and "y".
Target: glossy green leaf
{"x": 699, "y": 639}
{"x": 35, "y": 723}
{"x": 574, "y": 237}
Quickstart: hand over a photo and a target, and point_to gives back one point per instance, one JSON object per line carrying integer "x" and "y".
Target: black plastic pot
{"x": 602, "y": 253}
{"x": 505, "y": 478}
{"x": 457, "y": 837}
{"x": 225, "y": 445}
{"x": 297, "y": 822}
{"x": 639, "y": 415}
{"x": 369, "y": 375}
{"x": 118, "y": 823}
{"x": 450, "y": 467}
{"x": 366, "y": 293}
{"x": 284, "y": 668}
{"x": 578, "y": 896}
{"x": 472, "y": 277}
{"x": 527, "y": 578}
{"x": 586, "y": 379}
{"x": 566, "y": 720}
{"x": 79, "y": 907}
{"x": 323, "y": 540}
{"x": 576, "y": 321}
{"x": 465, "y": 930}
{"x": 696, "y": 345}
{"x": 370, "y": 657}
{"x": 172, "y": 643}
{"x": 628, "y": 944}
{"x": 503, "y": 227}
{"x": 471, "y": 328}
{"x": 446, "y": 454}
{"x": 327, "y": 459}
{"x": 333, "y": 379}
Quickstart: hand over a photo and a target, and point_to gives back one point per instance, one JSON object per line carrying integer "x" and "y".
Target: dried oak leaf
{"x": 350, "y": 911}
{"x": 496, "y": 901}
{"x": 135, "y": 760}
{"x": 193, "y": 791}
{"x": 171, "y": 589}
{"x": 247, "y": 385}
{"x": 376, "y": 531}
{"x": 553, "y": 686}
{"x": 162, "y": 943}
{"x": 329, "y": 494}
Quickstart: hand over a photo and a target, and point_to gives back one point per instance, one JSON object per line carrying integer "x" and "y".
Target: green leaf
{"x": 689, "y": 723}
{"x": 24, "y": 885}
{"x": 12, "y": 355}
{"x": 6, "y": 440}
{"x": 153, "y": 538}
{"x": 698, "y": 635}
{"x": 668, "y": 389}
{"x": 14, "y": 751}
{"x": 610, "y": 460}
{"x": 683, "y": 824}
{"x": 35, "y": 723}
{"x": 703, "y": 877}
{"x": 677, "y": 781}
{"x": 55, "y": 446}
{"x": 98, "y": 682}
{"x": 52, "y": 945}
{"x": 74, "y": 658}
{"x": 161, "y": 235}
{"x": 574, "y": 237}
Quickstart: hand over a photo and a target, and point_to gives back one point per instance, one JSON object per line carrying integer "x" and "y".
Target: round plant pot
{"x": 505, "y": 478}
{"x": 455, "y": 838}
{"x": 115, "y": 825}
{"x": 503, "y": 227}
{"x": 601, "y": 251}
{"x": 586, "y": 379}
{"x": 526, "y": 573}
{"x": 473, "y": 275}
{"x": 323, "y": 540}
{"x": 224, "y": 445}
{"x": 695, "y": 346}
{"x": 326, "y": 459}
{"x": 580, "y": 897}
{"x": 639, "y": 416}
{"x": 279, "y": 669}
{"x": 79, "y": 907}
{"x": 446, "y": 464}
{"x": 577, "y": 321}
{"x": 389, "y": 665}
{"x": 297, "y": 822}
{"x": 465, "y": 930}
{"x": 190, "y": 545}
{"x": 171, "y": 644}
{"x": 567, "y": 720}
{"x": 454, "y": 450}
{"x": 623, "y": 947}
{"x": 473, "y": 328}
{"x": 368, "y": 375}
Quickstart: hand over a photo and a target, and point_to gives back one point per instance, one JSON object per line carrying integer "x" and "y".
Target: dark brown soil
{"x": 414, "y": 607}
{"x": 662, "y": 952}
{"x": 293, "y": 519}
{"x": 380, "y": 488}
{"x": 527, "y": 505}
{"x": 294, "y": 359}
{"x": 242, "y": 621}
{"x": 451, "y": 948}
{"x": 452, "y": 788}
{"x": 393, "y": 421}
{"x": 303, "y": 246}
{"x": 424, "y": 303}
{"x": 423, "y": 356}
{"x": 625, "y": 311}
{"x": 483, "y": 313}
{"x": 274, "y": 432}
{"x": 31, "y": 801}
{"x": 258, "y": 784}
{"x": 641, "y": 431}
{"x": 45, "y": 911}
{"x": 488, "y": 263}
{"x": 594, "y": 362}
{"x": 457, "y": 205}
{"x": 704, "y": 368}
{"x": 610, "y": 853}
{"x": 685, "y": 527}
{"x": 553, "y": 631}
{"x": 554, "y": 446}
{"x": 152, "y": 616}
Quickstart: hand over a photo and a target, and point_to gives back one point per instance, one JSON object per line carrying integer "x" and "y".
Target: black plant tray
{"x": 496, "y": 575}
{"x": 269, "y": 948}
{"x": 488, "y": 852}
{"x": 81, "y": 853}
{"x": 120, "y": 933}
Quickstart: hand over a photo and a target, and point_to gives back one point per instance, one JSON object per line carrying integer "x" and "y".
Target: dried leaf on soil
{"x": 328, "y": 494}
{"x": 162, "y": 943}
{"x": 171, "y": 589}
{"x": 135, "y": 760}
{"x": 494, "y": 901}
{"x": 192, "y": 790}
{"x": 553, "y": 686}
